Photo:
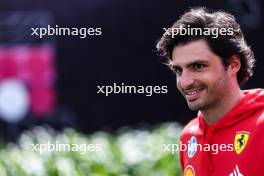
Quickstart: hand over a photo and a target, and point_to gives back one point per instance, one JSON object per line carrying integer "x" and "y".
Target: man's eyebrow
{"x": 197, "y": 62}
{"x": 190, "y": 64}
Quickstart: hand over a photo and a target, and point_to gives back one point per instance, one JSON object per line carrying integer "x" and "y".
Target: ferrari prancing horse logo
{"x": 241, "y": 140}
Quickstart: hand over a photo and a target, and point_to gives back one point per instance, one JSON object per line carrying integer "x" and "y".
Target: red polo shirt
{"x": 233, "y": 146}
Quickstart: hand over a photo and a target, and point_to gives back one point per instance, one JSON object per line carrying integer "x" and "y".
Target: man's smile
{"x": 193, "y": 94}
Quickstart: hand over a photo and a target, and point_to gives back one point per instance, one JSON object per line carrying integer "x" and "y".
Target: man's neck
{"x": 215, "y": 113}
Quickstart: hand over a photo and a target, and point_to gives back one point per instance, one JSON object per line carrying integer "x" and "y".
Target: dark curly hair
{"x": 224, "y": 45}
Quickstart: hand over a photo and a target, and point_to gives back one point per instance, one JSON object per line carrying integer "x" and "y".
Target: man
{"x": 211, "y": 59}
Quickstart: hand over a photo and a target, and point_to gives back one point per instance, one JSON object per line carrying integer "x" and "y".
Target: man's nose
{"x": 186, "y": 80}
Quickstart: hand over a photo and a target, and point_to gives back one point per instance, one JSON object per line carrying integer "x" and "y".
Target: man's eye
{"x": 198, "y": 66}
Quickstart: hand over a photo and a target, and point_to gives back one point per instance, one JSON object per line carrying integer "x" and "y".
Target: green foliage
{"x": 128, "y": 153}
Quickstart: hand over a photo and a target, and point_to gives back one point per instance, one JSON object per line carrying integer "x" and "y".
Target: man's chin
{"x": 194, "y": 106}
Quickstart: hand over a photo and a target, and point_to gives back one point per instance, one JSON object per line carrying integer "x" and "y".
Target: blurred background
{"x": 52, "y": 81}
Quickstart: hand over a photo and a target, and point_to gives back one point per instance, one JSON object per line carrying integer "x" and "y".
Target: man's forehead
{"x": 202, "y": 43}
{"x": 190, "y": 58}
{"x": 195, "y": 51}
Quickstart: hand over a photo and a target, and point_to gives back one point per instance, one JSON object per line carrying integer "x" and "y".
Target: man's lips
{"x": 193, "y": 94}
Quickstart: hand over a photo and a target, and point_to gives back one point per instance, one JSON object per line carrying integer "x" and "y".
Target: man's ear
{"x": 234, "y": 64}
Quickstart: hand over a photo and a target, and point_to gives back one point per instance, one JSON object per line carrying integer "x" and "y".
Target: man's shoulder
{"x": 191, "y": 128}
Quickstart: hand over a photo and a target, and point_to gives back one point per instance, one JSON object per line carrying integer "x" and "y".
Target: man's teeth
{"x": 193, "y": 92}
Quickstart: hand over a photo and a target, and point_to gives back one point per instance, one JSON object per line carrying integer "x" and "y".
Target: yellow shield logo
{"x": 241, "y": 140}
{"x": 189, "y": 171}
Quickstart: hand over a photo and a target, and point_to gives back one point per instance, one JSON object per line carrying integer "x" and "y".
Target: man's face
{"x": 201, "y": 76}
